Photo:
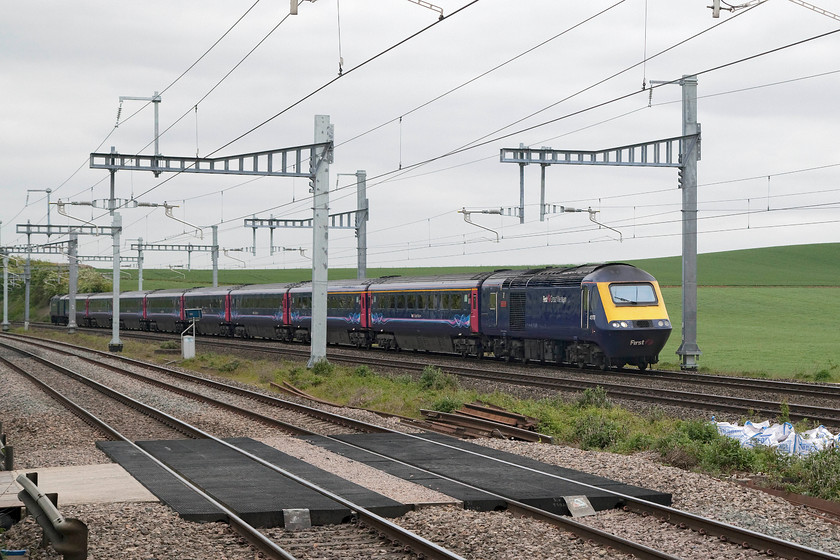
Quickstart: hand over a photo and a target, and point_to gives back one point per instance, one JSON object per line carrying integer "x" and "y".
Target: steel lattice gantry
{"x": 681, "y": 152}
{"x": 310, "y": 161}
{"x": 342, "y": 220}
{"x": 189, "y": 248}
{"x": 284, "y": 162}
{"x": 57, "y": 248}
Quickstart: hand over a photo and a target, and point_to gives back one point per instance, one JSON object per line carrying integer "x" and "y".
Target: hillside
{"x": 796, "y": 265}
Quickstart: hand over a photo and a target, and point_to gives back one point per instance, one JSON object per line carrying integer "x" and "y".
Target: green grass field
{"x": 760, "y": 312}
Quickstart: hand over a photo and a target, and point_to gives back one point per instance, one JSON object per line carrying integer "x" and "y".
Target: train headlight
{"x": 663, "y": 323}
{"x": 614, "y": 324}
{"x": 624, "y": 324}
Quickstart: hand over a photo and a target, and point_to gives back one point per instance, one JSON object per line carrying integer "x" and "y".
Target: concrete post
{"x": 542, "y": 192}
{"x": 27, "y": 276}
{"x": 140, "y": 263}
{"x": 6, "y": 325}
{"x": 361, "y": 224}
{"x": 214, "y": 256}
{"x": 73, "y": 281}
{"x": 320, "y": 241}
{"x": 116, "y": 221}
{"x": 689, "y": 350}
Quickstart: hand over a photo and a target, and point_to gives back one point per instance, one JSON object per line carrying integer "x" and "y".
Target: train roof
{"x": 570, "y": 276}
{"x": 134, "y": 294}
{"x": 263, "y": 288}
{"x": 208, "y": 291}
{"x": 165, "y": 293}
{"x": 100, "y": 295}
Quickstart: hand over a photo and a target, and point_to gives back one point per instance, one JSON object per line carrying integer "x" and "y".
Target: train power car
{"x": 602, "y": 315}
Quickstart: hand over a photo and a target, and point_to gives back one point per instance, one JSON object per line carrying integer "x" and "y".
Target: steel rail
{"x": 249, "y": 533}
{"x": 76, "y": 409}
{"x": 159, "y": 415}
{"x": 824, "y": 415}
{"x": 415, "y": 542}
{"x": 723, "y": 531}
{"x": 793, "y": 387}
{"x": 266, "y": 399}
{"x": 770, "y": 545}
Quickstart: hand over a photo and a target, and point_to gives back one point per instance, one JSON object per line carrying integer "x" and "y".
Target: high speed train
{"x": 602, "y": 315}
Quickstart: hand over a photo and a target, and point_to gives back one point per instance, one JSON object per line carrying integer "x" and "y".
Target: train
{"x": 606, "y": 315}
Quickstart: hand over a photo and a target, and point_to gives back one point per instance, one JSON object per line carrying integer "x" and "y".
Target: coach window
{"x": 411, "y": 301}
{"x": 400, "y": 301}
{"x": 493, "y": 297}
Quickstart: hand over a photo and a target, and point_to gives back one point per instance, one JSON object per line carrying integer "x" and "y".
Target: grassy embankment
{"x": 766, "y": 312}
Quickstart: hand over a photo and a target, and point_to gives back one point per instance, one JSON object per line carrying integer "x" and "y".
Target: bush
{"x": 323, "y": 368}
{"x": 447, "y": 404}
{"x": 596, "y": 397}
{"x": 435, "y": 379}
{"x": 596, "y": 431}
{"x": 817, "y": 474}
{"x": 230, "y": 366}
{"x": 726, "y": 455}
{"x": 363, "y": 371}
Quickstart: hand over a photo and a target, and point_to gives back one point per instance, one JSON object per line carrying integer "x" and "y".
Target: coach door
{"x": 584, "y": 307}
{"x": 493, "y": 309}
{"x": 364, "y": 303}
{"x": 474, "y": 310}
{"x": 287, "y": 308}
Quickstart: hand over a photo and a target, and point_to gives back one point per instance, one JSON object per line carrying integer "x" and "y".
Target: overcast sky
{"x": 492, "y": 74}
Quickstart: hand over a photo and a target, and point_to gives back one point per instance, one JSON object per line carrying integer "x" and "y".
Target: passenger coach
{"x": 603, "y": 315}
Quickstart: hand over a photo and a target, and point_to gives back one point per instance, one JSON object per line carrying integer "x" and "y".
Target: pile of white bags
{"x": 781, "y": 436}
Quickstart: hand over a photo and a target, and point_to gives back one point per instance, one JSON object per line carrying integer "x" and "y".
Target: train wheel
{"x": 642, "y": 366}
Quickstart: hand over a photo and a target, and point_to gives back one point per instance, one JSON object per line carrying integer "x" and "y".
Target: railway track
{"x": 698, "y": 391}
{"x": 703, "y": 526}
{"x": 410, "y": 543}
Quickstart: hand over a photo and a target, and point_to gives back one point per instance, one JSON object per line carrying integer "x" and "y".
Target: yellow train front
{"x": 627, "y": 316}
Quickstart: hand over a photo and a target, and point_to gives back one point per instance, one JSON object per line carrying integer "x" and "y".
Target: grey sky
{"x": 769, "y": 124}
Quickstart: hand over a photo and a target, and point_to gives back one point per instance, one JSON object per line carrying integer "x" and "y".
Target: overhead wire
{"x": 483, "y": 74}
{"x": 175, "y": 81}
{"x": 312, "y": 93}
{"x": 592, "y": 107}
{"x": 554, "y": 120}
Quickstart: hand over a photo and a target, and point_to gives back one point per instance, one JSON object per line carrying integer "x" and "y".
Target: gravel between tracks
{"x": 151, "y": 531}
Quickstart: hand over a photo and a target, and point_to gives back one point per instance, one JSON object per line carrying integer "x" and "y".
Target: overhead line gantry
{"x": 309, "y": 161}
